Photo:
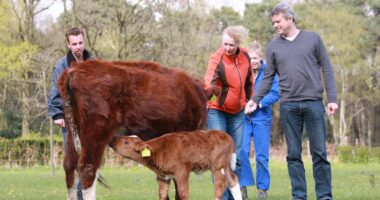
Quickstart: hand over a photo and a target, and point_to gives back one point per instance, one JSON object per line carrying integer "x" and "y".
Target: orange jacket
{"x": 233, "y": 75}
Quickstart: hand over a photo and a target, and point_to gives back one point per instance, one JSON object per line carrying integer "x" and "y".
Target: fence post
{"x": 52, "y": 159}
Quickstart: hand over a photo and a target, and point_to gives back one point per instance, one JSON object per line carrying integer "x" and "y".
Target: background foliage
{"x": 184, "y": 34}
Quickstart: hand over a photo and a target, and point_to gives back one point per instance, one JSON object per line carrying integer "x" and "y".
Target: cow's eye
{"x": 125, "y": 142}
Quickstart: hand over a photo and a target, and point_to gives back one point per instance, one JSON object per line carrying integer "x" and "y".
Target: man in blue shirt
{"x": 76, "y": 53}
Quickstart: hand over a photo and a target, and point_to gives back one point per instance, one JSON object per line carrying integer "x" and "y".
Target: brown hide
{"x": 196, "y": 151}
{"x": 177, "y": 154}
{"x": 144, "y": 98}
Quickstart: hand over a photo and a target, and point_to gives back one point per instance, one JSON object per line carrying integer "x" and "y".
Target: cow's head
{"x": 131, "y": 147}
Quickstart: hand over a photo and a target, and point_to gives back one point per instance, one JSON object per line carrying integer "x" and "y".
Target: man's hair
{"x": 73, "y": 31}
{"x": 285, "y": 9}
{"x": 255, "y": 47}
{"x": 238, "y": 33}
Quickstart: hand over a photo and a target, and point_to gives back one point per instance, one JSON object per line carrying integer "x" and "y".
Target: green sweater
{"x": 298, "y": 64}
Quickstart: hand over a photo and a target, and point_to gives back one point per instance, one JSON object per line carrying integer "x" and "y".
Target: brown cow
{"x": 141, "y": 98}
{"x": 175, "y": 155}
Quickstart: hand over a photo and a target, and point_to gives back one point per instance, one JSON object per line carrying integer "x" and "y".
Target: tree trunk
{"x": 361, "y": 122}
{"x": 25, "y": 109}
{"x": 3, "y": 97}
{"x": 342, "y": 113}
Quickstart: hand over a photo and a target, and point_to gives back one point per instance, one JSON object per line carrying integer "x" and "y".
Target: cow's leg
{"x": 90, "y": 192}
{"x": 93, "y": 143}
{"x": 181, "y": 182}
{"x": 163, "y": 188}
{"x": 88, "y": 165}
{"x": 220, "y": 183}
{"x": 70, "y": 165}
{"x": 73, "y": 191}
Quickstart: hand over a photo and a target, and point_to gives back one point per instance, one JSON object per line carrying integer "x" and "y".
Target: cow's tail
{"x": 102, "y": 181}
{"x": 65, "y": 89}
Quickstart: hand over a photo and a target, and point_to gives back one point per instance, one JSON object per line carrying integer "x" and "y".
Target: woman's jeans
{"x": 294, "y": 117}
{"x": 233, "y": 124}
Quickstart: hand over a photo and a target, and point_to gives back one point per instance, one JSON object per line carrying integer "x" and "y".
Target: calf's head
{"x": 131, "y": 147}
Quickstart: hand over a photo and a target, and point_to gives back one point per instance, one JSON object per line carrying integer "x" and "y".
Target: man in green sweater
{"x": 298, "y": 57}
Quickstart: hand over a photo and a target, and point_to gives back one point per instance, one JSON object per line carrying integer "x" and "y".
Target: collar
{"x": 236, "y": 53}
{"x": 70, "y": 57}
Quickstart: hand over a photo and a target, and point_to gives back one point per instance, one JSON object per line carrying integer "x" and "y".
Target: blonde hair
{"x": 238, "y": 33}
{"x": 255, "y": 47}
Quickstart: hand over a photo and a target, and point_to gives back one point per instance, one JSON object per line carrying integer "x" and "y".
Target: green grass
{"x": 350, "y": 181}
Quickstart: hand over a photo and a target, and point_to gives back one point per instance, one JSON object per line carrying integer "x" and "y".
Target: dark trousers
{"x": 294, "y": 117}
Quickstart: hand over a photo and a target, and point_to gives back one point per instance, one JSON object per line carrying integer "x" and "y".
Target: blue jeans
{"x": 259, "y": 130}
{"x": 294, "y": 117}
{"x": 232, "y": 124}
{"x": 64, "y": 135}
{"x": 79, "y": 189}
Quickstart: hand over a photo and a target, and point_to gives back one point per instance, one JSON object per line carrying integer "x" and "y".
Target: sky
{"x": 237, "y": 5}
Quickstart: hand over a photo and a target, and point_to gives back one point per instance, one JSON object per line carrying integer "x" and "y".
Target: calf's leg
{"x": 220, "y": 183}
{"x": 181, "y": 181}
{"x": 163, "y": 188}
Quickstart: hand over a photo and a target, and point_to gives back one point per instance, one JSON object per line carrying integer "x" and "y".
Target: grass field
{"x": 350, "y": 181}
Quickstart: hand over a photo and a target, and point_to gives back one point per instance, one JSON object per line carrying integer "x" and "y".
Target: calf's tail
{"x": 232, "y": 180}
{"x": 233, "y": 161}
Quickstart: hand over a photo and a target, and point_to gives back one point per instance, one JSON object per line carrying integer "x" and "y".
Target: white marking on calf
{"x": 224, "y": 173}
{"x": 90, "y": 193}
{"x": 168, "y": 177}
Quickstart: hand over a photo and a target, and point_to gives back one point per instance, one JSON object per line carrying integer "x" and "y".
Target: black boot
{"x": 244, "y": 193}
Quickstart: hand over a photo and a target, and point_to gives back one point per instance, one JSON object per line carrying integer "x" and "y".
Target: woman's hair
{"x": 73, "y": 31}
{"x": 285, "y": 9}
{"x": 238, "y": 33}
{"x": 255, "y": 47}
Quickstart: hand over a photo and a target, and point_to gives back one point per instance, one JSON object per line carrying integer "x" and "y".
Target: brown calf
{"x": 175, "y": 155}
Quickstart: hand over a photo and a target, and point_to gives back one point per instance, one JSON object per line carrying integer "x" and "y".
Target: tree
{"x": 258, "y": 20}
{"x": 351, "y": 50}
{"x": 17, "y": 52}
{"x": 189, "y": 43}
{"x": 226, "y": 16}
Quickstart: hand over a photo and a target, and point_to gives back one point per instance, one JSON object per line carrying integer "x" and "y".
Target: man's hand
{"x": 250, "y": 107}
{"x": 60, "y": 122}
{"x": 332, "y": 108}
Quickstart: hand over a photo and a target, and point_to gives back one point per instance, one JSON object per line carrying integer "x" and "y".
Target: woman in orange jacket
{"x": 229, "y": 70}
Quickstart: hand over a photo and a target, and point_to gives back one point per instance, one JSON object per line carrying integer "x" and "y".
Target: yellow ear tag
{"x": 145, "y": 152}
{"x": 213, "y": 98}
